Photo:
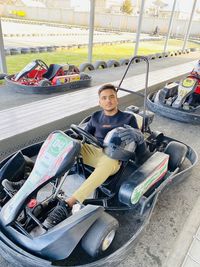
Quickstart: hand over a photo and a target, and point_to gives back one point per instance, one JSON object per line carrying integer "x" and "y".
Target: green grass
{"x": 77, "y": 56}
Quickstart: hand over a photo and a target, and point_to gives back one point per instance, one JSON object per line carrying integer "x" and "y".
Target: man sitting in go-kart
{"x": 115, "y": 131}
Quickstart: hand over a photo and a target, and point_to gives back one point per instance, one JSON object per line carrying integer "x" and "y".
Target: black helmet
{"x": 115, "y": 148}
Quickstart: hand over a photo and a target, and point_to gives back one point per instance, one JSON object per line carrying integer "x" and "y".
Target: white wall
{"x": 110, "y": 21}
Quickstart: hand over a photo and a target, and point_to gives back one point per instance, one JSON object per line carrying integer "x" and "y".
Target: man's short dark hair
{"x": 106, "y": 87}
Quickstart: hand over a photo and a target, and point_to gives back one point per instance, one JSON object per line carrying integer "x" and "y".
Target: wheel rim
{"x": 108, "y": 240}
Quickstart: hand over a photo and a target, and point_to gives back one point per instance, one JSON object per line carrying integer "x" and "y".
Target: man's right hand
{"x": 130, "y": 134}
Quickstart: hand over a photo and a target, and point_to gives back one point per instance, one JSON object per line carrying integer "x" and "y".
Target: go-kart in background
{"x": 175, "y": 203}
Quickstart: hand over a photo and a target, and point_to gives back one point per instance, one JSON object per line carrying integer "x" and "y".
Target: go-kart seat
{"x": 139, "y": 118}
{"x": 51, "y": 72}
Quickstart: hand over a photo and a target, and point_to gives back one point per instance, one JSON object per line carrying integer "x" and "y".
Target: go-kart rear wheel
{"x": 177, "y": 153}
{"x": 44, "y": 82}
{"x": 100, "y": 235}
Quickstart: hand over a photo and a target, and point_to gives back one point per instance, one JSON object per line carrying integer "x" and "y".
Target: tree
{"x": 127, "y": 7}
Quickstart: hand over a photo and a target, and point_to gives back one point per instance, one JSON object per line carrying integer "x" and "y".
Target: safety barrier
{"x": 99, "y": 64}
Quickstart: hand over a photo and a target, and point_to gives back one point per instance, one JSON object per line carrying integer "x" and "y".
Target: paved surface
{"x": 34, "y": 35}
{"x": 176, "y": 217}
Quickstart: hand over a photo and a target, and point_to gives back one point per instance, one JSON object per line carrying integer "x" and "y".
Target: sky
{"x": 183, "y": 5}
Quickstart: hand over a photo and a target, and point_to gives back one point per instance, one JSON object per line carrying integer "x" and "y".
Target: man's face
{"x": 108, "y": 100}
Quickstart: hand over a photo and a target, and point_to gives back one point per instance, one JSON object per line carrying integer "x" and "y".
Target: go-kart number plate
{"x": 188, "y": 82}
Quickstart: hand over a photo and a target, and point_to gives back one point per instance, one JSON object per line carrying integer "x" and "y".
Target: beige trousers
{"x": 104, "y": 167}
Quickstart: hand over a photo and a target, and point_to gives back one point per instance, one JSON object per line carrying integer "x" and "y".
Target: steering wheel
{"x": 87, "y": 136}
{"x": 41, "y": 64}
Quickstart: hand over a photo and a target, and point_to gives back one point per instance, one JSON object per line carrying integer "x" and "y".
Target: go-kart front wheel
{"x": 100, "y": 235}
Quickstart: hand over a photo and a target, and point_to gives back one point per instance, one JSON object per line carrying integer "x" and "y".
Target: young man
{"x": 100, "y": 123}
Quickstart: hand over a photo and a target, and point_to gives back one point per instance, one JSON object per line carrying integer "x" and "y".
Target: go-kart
{"x": 94, "y": 233}
{"x": 178, "y": 100}
{"x": 37, "y": 77}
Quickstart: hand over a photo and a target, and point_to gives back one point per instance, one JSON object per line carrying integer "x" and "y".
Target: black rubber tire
{"x": 25, "y": 50}
{"x": 124, "y": 61}
{"x": 93, "y": 239}
{"x": 15, "y": 51}
{"x": 50, "y": 48}
{"x": 44, "y": 82}
{"x": 84, "y": 76}
{"x": 42, "y": 49}
{"x": 100, "y": 64}
{"x": 177, "y": 153}
{"x": 113, "y": 63}
{"x": 86, "y": 66}
{"x": 34, "y": 50}
{"x": 2, "y": 76}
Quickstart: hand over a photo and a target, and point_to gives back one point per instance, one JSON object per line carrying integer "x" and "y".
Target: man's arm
{"x": 89, "y": 127}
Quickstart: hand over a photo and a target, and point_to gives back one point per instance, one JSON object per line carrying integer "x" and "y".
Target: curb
{"x": 179, "y": 252}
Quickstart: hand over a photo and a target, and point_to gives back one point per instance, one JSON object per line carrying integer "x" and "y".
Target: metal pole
{"x": 91, "y": 29}
{"x": 189, "y": 25}
{"x": 170, "y": 26}
{"x": 3, "y": 67}
{"x": 139, "y": 27}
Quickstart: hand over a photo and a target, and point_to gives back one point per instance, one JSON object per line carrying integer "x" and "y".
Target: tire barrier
{"x": 42, "y": 49}
{"x": 152, "y": 57}
{"x": 7, "y": 51}
{"x": 25, "y": 50}
{"x": 100, "y": 64}
{"x": 124, "y": 61}
{"x": 50, "y": 48}
{"x": 34, "y": 50}
{"x": 2, "y": 76}
{"x": 86, "y": 66}
{"x": 166, "y": 54}
{"x": 113, "y": 63}
{"x": 15, "y": 51}
{"x": 159, "y": 55}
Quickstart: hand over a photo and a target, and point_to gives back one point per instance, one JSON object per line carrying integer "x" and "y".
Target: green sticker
{"x": 58, "y": 145}
{"x": 139, "y": 190}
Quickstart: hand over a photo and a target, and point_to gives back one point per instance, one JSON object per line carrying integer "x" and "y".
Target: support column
{"x": 139, "y": 27}
{"x": 3, "y": 67}
{"x": 170, "y": 26}
{"x": 91, "y": 30}
{"x": 189, "y": 25}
